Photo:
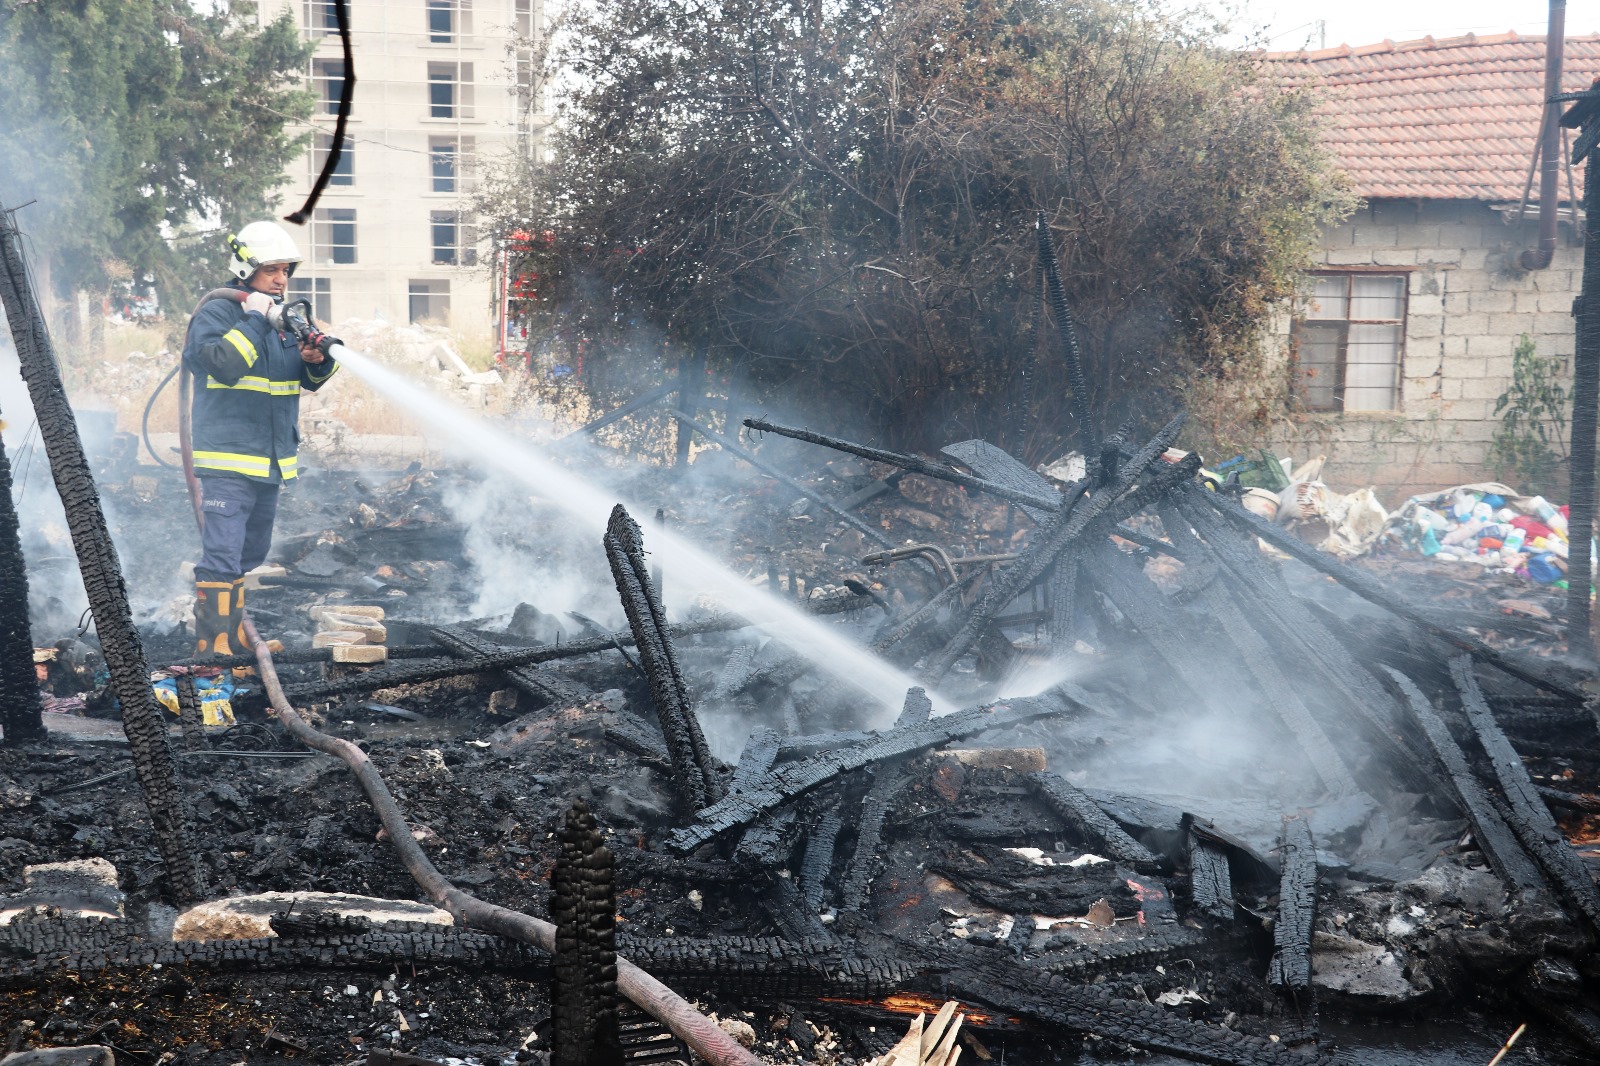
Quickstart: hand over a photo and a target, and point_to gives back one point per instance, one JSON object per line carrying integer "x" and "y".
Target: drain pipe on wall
{"x": 1550, "y": 143}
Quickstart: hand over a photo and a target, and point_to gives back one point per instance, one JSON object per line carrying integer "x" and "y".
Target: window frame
{"x": 330, "y": 19}
{"x": 327, "y": 97}
{"x": 1341, "y": 355}
{"x": 318, "y": 290}
{"x": 441, "y": 149}
{"x": 325, "y": 246}
{"x": 457, "y": 76}
{"x": 429, "y": 292}
{"x": 452, "y": 14}
{"x": 345, "y": 176}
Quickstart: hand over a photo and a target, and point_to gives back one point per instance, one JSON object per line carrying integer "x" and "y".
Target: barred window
{"x": 328, "y": 78}
{"x": 344, "y": 173}
{"x": 430, "y": 301}
{"x": 1349, "y": 340}
{"x": 318, "y": 290}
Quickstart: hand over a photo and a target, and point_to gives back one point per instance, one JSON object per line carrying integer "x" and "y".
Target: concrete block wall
{"x": 1469, "y": 302}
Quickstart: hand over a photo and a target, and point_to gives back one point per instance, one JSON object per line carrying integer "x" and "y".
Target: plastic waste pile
{"x": 1487, "y": 525}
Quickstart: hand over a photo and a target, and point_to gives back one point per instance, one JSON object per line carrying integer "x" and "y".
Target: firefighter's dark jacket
{"x": 247, "y": 382}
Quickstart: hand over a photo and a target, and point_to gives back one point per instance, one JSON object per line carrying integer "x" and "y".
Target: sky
{"x": 1292, "y": 24}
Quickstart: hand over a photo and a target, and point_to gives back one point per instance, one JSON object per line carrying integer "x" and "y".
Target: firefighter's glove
{"x": 258, "y": 302}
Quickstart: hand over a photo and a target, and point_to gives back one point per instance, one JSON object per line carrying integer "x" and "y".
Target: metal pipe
{"x": 1549, "y": 143}
{"x": 654, "y": 998}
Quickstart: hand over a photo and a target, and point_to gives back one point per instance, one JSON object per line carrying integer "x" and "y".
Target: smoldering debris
{"x": 1189, "y": 796}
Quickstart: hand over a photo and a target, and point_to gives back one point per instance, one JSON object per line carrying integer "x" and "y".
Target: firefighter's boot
{"x": 213, "y": 618}
{"x": 241, "y": 643}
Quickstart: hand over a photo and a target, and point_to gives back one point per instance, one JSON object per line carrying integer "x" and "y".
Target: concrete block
{"x": 1493, "y": 301}
{"x": 1392, "y": 212}
{"x": 79, "y": 1055}
{"x": 247, "y": 917}
{"x": 1483, "y": 388}
{"x": 1474, "y": 259}
{"x": 1441, "y": 256}
{"x": 1555, "y": 281}
{"x": 1424, "y": 327}
{"x": 1375, "y": 236}
{"x": 1400, "y": 257}
{"x": 335, "y": 637}
{"x": 1348, "y": 256}
{"x": 1417, "y": 236}
{"x": 1452, "y": 345}
{"x": 1466, "y": 325}
{"x": 1557, "y": 303}
{"x": 350, "y": 610}
{"x": 1421, "y": 304}
{"x": 80, "y": 888}
{"x": 1021, "y": 759}
{"x": 1525, "y": 301}
{"x": 1491, "y": 344}
{"x": 1450, "y": 388}
{"x": 1455, "y": 235}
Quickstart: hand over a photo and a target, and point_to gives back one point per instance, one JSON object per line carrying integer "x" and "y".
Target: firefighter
{"x": 247, "y": 382}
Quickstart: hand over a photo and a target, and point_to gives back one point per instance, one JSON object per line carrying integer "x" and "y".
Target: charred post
{"x": 1584, "y": 116}
{"x": 142, "y": 717}
{"x": 693, "y": 773}
{"x": 583, "y": 903}
{"x": 20, "y": 711}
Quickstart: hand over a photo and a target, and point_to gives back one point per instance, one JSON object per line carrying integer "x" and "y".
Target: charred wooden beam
{"x": 1051, "y": 542}
{"x": 1371, "y": 590}
{"x": 1077, "y": 383}
{"x": 1529, "y": 816}
{"x": 143, "y": 720}
{"x": 1499, "y": 844}
{"x": 1280, "y": 616}
{"x": 792, "y": 780}
{"x": 1258, "y": 657}
{"x": 693, "y": 773}
{"x": 867, "y": 859}
{"x": 542, "y": 684}
{"x": 734, "y": 672}
{"x": 583, "y": 904}
{"x": 1297, "y": 908}
{"x": 1064, "y": 1002}
{"x": 816, "y": 861}
{"x": 875, "y": 535}
{"x": 1084, "y": 814}
{"x": 21, "y": 710}
{"x": 1210, "y": 879}
{"x": 760, "y": 752}
{"x": 768, "y": 966}
{"x": 912, "y": 463}
{"x": 190, "y": 718}
{"x": 917, "y": 709}
{"x": 415, "y": 673}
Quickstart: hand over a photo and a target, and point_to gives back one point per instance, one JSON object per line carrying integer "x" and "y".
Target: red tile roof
{"x": 1452, "y": 119}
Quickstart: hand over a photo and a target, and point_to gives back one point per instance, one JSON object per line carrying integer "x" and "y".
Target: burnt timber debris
{"x": 834, "y": 866}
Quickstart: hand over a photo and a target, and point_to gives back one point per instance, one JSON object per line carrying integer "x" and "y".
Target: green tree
{"x": 839, "y": 199}
{"x": 130, "y": 123}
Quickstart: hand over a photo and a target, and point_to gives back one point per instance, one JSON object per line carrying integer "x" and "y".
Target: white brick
{"x": 1440, "y": 256}
{"x": 1525, "y": 303}
{"x": 1453, "y": 345}
{"x": 1466, "y": 325}
{"x": 1495, "y": 300}
{"x": 1554, "y": 280}
{"x": 1368, "y": 236}
{"x": 1424, "y": 326}
{"x": 1426, "y": 305}
{"x": 1460, "y": 236}
{"x": 1474, "y": 259}
{"x": 1490, "y": 345}
{"x": 1482, "y": 388}
{"x": 1402, "y": 257}
{"x": 1348, "y": 256}
{"x": 1558, "y": 303}
{"x": 1553, "y": 324}
{"x": 1414, "y": 236}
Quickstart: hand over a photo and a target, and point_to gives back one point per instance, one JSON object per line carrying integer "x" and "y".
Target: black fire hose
{"x": 144, "y": 424}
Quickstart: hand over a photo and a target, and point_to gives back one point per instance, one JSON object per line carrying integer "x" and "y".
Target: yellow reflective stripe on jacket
{"x": 256, "y": 384}
{"x": 318, "y": 379}
{"x": 259, "y": 465}
{"x": 242, "y": 343}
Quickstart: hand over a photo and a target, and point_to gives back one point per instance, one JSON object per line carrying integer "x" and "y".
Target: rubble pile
{"x": 1180, "y": 793}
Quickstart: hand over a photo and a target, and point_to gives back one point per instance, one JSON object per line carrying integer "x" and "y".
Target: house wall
{"x": 1469, "y": 303}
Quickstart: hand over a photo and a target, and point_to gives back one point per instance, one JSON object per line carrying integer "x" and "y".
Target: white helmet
{"x": 264, "y": 242}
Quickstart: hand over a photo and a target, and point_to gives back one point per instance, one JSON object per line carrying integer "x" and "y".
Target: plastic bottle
{"x": 1514, "y": 539}
{"x": 1482, "y": 512}
{"x": 1430, "y": 542}
{"x": 1549, "y": 515}
{"x": 1542, "y": 568}
{"x": 1464, "y": 503}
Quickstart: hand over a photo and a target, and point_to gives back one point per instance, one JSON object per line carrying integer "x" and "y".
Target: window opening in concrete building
{"x": 444, "y": 157}
{"x": 333, "y": 235}
{"x": 328, "y": 74}
{"x": 430, "y": 301}
{"x": 1349, "y": 340}
{"x": 321, "y": 18}
{"x": 446, "y": 227}
{"x": 319, "y": 291}
{"x": 450, "y": 90}
{"x": 441, "y": 21}
{"x": 345, "y": 172}
{"x": 524, "y": 18}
